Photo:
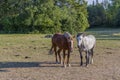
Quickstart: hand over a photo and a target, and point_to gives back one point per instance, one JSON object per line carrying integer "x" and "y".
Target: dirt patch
{"x": 41, "y": 66}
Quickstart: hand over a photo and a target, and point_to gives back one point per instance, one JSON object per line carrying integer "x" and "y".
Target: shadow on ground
{"x": 30, "y": 64}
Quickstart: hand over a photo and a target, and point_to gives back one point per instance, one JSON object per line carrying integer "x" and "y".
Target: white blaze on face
{"x": 70, "y": 41}
{"x": 71, "y": 44}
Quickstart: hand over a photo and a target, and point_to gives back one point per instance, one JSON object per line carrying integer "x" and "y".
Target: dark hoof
{"x": 81, "y": 64}
{"x": 86, "y": 65}
{"x": 57, "y": 62}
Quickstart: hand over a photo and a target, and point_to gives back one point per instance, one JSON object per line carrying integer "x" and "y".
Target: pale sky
{"x": 91, "y": 1}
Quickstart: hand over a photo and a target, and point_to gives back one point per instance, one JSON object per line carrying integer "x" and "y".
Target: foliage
{"x": 43, "y": 16}
{"x": 105, "y": 13}
{"x": 96, "y": 15}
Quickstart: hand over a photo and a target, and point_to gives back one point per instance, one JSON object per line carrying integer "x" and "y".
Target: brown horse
{"x": 63, "y": 42}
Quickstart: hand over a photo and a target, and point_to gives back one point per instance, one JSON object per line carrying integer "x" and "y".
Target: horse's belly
{"x": 61, "y": 45}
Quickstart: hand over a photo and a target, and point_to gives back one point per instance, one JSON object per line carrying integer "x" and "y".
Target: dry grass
{"x": 25, "y": 57}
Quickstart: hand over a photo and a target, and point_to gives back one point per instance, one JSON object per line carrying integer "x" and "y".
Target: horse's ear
{"x": 79, "y": 34}
{"x": 84, "y": 34}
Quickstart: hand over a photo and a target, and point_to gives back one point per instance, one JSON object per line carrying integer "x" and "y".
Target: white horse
{"x": 86, "y": 43}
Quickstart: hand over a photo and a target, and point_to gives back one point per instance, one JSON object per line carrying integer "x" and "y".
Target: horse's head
{"x": 69, "y": 39}
{"x": 79, "y": 38}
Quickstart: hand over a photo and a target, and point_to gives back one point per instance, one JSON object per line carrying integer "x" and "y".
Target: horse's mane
{"x": 67, "y": 35}
{"x": 83, "y": 34}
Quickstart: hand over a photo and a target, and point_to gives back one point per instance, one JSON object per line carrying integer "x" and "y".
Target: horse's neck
{"x": 83, "y": 39}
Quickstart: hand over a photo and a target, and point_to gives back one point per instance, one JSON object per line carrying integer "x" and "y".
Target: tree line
{"x": 105, "y": 14}
{"x": 43, "y": 16}
{"x": 50, "y": 16}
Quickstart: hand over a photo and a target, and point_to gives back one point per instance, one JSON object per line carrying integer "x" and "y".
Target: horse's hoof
{"x": 65, "y": 66}
{"x": 57, "y": 62}
{"x": 81, "y": 64}
{"x": 92, "y": 61}
{"x": 61, "y": 62}
{"x": 86, "y": 66}
{"x": 50, "y": 52}
{"x": 69, "y": 65}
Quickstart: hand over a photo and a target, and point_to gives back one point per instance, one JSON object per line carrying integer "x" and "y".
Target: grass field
{"x": 15, "y": 47}
{"x": 25, "y": 57}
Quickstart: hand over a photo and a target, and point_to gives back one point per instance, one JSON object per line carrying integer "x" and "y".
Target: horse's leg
{"x": 81, "y": 57}
{"x": 59, "y": 55}
{"x": 92, "y": 55}
{"x": 55, "y": 49}
{"x": 64, "y": 59}
{"x": 87, "y": 58}
{"x": 90, "y": 58}
{"x": 68, "y": 58}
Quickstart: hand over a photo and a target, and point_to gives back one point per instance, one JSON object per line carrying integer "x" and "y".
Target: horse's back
{"x": 56, "y": 37}
{"x": 91, "y": 37}
{"x": 89, "y": 41}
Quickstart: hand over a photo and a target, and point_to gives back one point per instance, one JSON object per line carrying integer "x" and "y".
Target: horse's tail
{"x": 51, "y": 50}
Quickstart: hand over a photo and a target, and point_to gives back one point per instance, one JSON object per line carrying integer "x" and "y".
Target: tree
{"x": 43, "y": 16}
{"x": 117, "y": 21}
{"x": 77, "y": 16}
{"x": 114, "y": 8}
{"x": 97, "y": 15}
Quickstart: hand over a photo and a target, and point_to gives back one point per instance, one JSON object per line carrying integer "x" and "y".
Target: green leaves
{"x": 45, "y": 16}
{"x": 105, "y": 13}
